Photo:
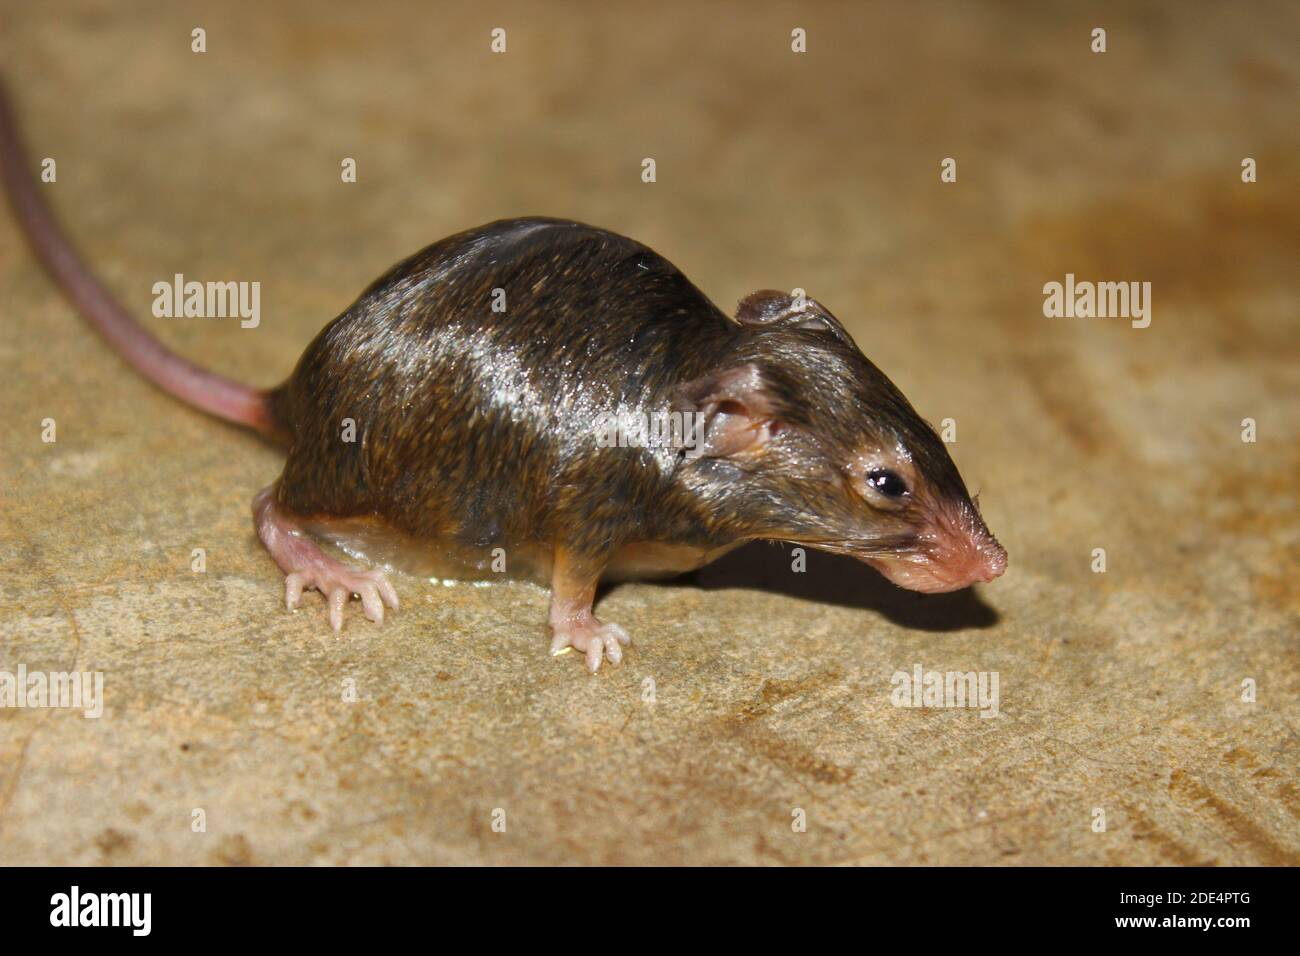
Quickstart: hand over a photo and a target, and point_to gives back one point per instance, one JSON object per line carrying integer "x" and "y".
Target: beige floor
{"x": 1119, "y": 692}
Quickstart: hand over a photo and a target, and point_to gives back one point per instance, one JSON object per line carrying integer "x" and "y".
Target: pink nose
{"x": 967, "y": 561}
{"x": 994, "y": 561}
{"x": 977, "y": 562}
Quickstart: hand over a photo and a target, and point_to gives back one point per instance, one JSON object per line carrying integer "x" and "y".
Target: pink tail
{"x": 195, "y": 386}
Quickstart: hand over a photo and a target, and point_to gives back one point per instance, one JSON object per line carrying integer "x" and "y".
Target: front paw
{"x": 590, "y": 637}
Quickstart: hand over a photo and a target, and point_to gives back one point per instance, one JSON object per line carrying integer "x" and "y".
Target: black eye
{"x": 887, "y": 483}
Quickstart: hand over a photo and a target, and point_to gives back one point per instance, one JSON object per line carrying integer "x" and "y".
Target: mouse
{"x": 553, "y": 400}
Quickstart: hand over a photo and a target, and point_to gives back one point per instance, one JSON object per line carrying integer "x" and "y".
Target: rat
{"x": 480, "y": 377}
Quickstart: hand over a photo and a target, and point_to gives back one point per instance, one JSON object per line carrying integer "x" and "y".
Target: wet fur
{"x": 479, "y": 428}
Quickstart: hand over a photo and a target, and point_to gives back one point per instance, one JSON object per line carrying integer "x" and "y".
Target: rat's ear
{"x": 771, "y": 309}
{"x": 735, "y": 410}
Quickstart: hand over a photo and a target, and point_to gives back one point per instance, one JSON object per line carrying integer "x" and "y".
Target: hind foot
{"x": 337, "y": 583}
{"x": 306, "y": 567}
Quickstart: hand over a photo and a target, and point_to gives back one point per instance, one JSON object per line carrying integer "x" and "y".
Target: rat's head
{"x": 805, "y": 440}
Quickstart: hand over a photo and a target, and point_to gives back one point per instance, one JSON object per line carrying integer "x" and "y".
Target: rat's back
{"x": 475, "y": 373}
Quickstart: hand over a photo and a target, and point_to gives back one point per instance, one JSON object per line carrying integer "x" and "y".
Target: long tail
{"x": 195, "y": 386}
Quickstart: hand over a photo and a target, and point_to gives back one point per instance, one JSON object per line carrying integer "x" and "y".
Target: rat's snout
{"x": 976, "y": 560}
{"x": 955, "y": 552}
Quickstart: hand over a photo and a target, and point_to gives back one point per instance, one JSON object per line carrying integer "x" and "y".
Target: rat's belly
{"x": 375, "y": 542}
{"x": 658, "y": 559}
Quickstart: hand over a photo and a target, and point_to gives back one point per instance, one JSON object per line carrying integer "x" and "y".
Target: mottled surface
{"x": 1120, "y": 691}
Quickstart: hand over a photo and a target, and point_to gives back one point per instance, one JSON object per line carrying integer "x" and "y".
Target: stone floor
{"x": 1121, "y": 693}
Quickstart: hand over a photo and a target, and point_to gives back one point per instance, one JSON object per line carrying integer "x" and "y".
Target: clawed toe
{"x": 371, "y": 606}
{"x": 293, "y": 591}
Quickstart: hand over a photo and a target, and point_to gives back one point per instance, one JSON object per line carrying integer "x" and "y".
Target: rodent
{"x": 476, "y": 430}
